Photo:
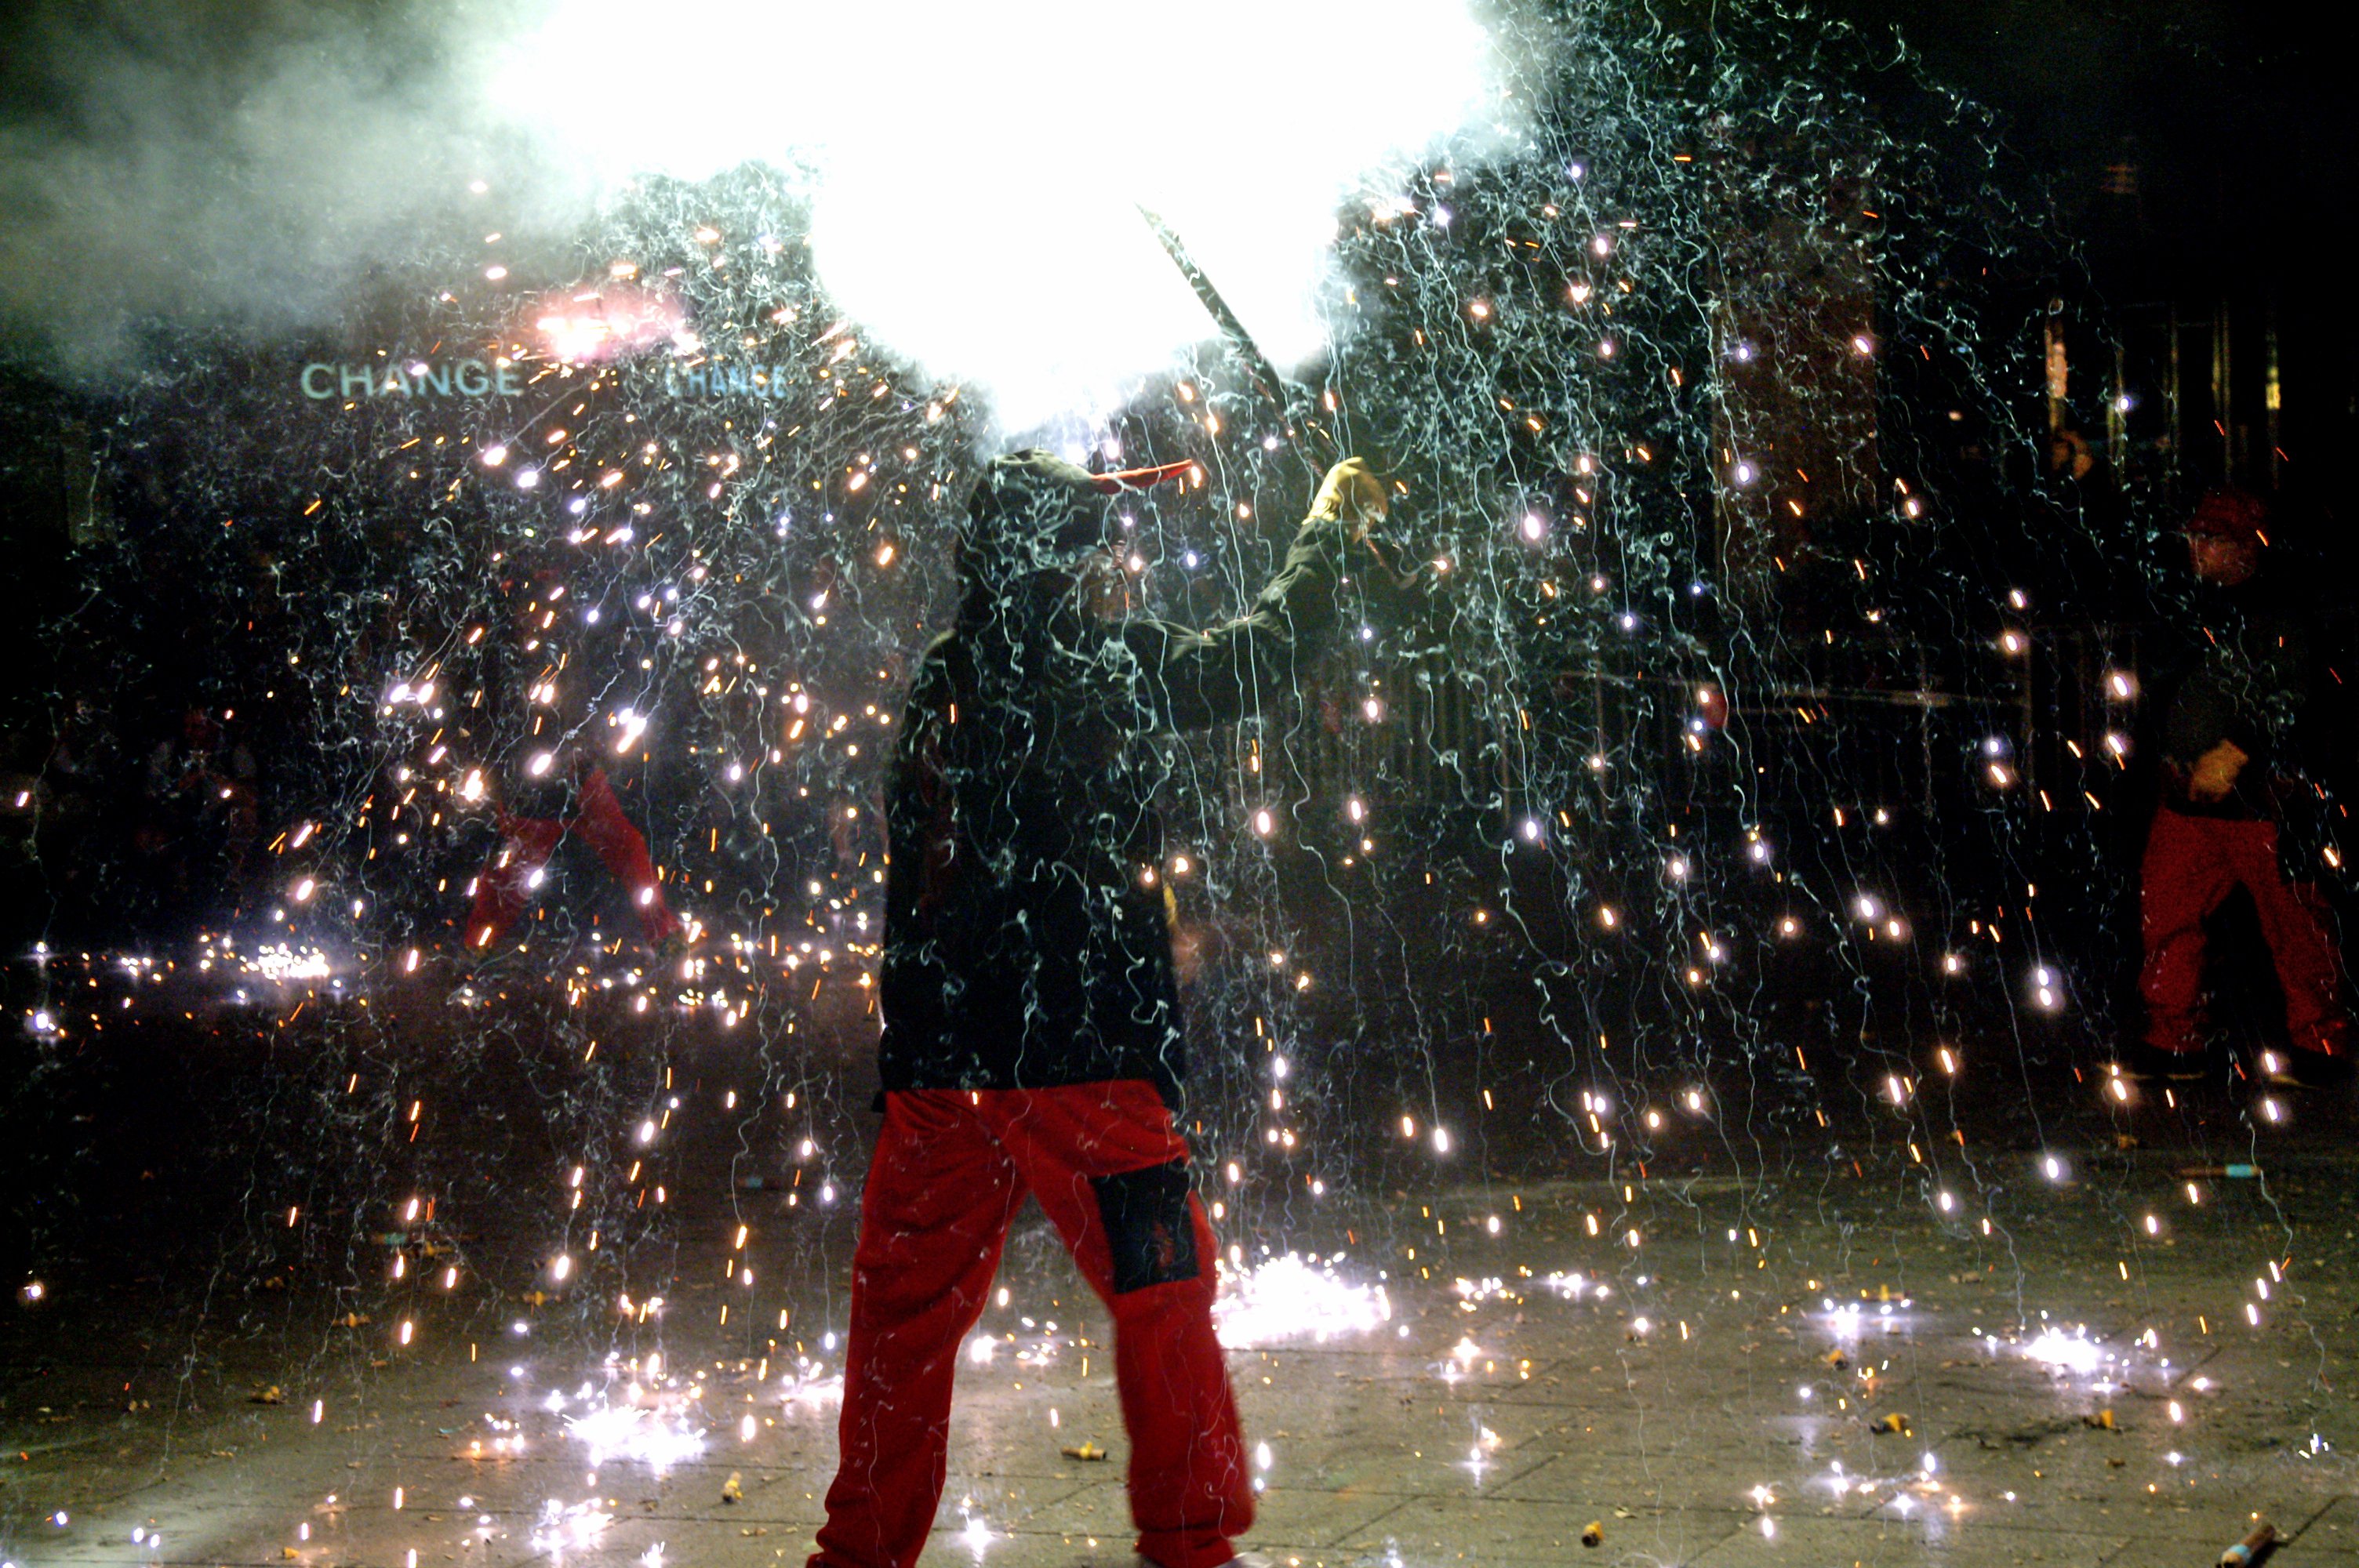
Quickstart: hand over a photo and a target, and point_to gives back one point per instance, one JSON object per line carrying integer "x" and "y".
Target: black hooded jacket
{"x": 1027, "y": 942}
{"x": 2256, "y": 669}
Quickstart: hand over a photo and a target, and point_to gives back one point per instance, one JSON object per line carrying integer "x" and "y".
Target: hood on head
{"x": 1032, "y": 511}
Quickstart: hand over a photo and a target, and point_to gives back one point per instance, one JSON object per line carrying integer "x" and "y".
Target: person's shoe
{"x": 2149, "y": 1063}
{"x": 2303, "y": 1069}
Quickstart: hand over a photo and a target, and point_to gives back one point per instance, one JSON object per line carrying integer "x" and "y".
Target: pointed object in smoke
{"x": 1288, "y": 398}
{"x": 1293, "y": 402}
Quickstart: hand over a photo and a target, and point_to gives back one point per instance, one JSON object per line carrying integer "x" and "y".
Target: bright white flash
{"x": 627, "y": 1432}
{"x": 2066, "y": 1352}
{"x": 973, "y": 206}
{"x": 1293, "y": 1297}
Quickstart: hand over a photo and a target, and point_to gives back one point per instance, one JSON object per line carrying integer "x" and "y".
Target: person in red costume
{"x": 582, "y": 803}
{"x": 1031, "y": 1035}
{"x": 562, "y": 790}
{"x": 2232, "y": 723}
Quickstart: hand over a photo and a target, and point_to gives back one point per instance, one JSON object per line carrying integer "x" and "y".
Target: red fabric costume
{"x": 2191, "y": 865}
{"x": 951, "y": 1167}
{"x": 505, "y": 886}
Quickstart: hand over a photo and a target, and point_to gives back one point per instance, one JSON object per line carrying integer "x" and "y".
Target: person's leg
{"x": 503, "y": 886}
{"x": 932, "y": 1218}
{"x": 2181, "y": 881}
{"x": 624, "y": 849}
{"x": 1112, "y": 1172}
{"x": 2293, "y": 923}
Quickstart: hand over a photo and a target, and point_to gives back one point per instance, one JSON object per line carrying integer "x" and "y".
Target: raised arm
{"x": 1201, "y": 679}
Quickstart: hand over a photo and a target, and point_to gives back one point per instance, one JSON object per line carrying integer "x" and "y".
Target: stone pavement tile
{"x": 1591, "y": 1411}
{"x": 1438, "y": 1381}
{"x": 678, "y": 1491}
{"x": 1026, "y": 1549}
{"x": 796, "y": 1495}
{"x": 1009, "y": 1433}
{"x": 1690, "y": 1428}
{"x": 789, "y": 1497}
{"x": 1700, "y": 1481}
{"x": 383, "y": 1537}
{"x": 1046, "y": 1548}
{"x": 1489, "y": 1529}
{"x": 2037, "y": 1423}
{"x": 435, "y": 1475}
{"x": 1006, "y": 1502}
{"x": 2336, "y": 1527}
{"x": 505, "y": 1507}
{"x": 1318, "y": 1518}
{"x": 2146, "y": 1496}
{"x": 1050, "y": 1543}
{"x": 242, "y": 1511}
{"x": 625, "y": 1543}
{"x": 1790, "y": 1453}
{"x": 189, "y": 1535}
{"x": 1405, "y": 1449}
{"x": 1918, "y": 1544}
{"x": 2063, "y": 1490}
{"x": 1300, "y": 1515}
{"x": 1633, "y": 1383}
{"x": 626, "y": 1535}
{"x": 1748, "y": 1382}
{"x": 1284, "y": 1372}
{"x": 2317, "y": 1530}
{"x": 244, "y": 1536}
{"x": 1609, "y": 1396}
{"x": 1073, "y": 1544}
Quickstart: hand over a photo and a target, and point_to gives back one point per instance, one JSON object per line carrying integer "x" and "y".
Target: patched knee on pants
{"x": 1148, "y": 1227}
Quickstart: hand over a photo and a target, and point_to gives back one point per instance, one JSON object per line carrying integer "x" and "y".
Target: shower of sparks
{"x": 637, "y": 1434}
{"x": 1291, "y": 1297}
{"x": 2068, "y": 1352}
{"x": 569, "y": 1527}
{"x": 1675, "y": 786}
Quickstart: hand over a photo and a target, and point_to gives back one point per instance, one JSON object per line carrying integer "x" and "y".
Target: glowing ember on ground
{"x": 1292, "y": 1297}
{"x": 2064, "y": 1352}
{"x": 640, "y": 1435}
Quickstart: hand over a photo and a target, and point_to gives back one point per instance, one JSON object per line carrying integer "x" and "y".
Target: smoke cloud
{"x": 222, "y": 165}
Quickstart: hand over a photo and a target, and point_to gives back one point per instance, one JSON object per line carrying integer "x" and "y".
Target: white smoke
{"x": 218, "y": 164}
{"x": 978, "y": 167}
{"x": 982, "y": 166}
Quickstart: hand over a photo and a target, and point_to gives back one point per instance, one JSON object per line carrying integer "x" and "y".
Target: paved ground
{"x": 1818, "y": 1371}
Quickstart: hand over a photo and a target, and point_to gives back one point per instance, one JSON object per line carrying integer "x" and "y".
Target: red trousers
{"x": 2191, "y": 865}
{"x": 951, "y": 1167}
{"x": 505, "y": 883}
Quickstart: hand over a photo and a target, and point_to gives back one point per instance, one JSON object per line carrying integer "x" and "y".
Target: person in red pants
{"x": 562, "y": 790}
{"x": 1031, "y": 1038}
{"x": 2231, "y": 724}
{"x": 584, "y": 803}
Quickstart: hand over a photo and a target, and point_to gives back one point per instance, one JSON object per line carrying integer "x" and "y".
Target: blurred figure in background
{"x": 560, "y": 790}
{"x": 573, "y": 797}
{"x": 202, "y": 812}
{"x": 2239, "y": 719}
